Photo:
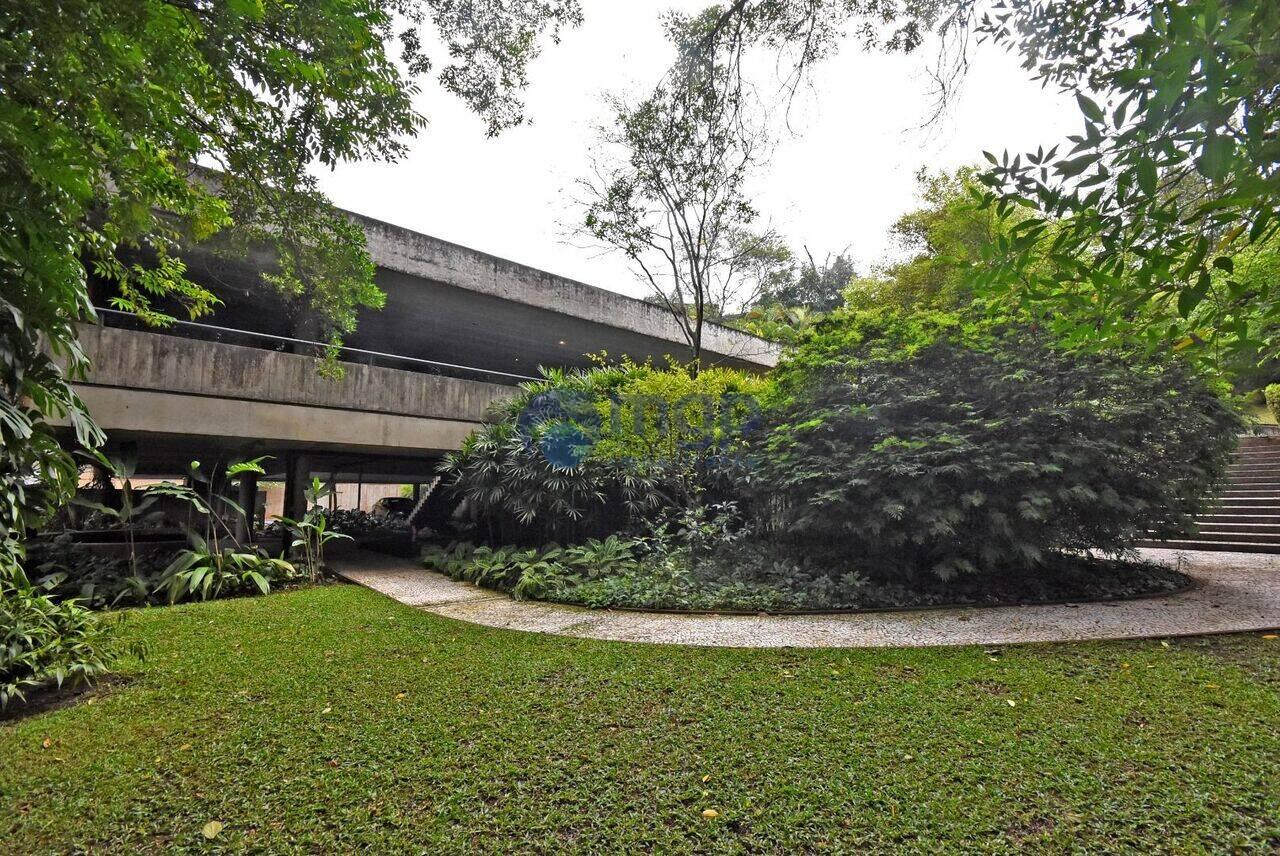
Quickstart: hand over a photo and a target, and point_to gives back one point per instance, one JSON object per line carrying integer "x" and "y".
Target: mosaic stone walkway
{"x": 1235, "y": 592}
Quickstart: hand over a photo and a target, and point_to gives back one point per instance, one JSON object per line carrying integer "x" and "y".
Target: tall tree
{"x": 669, "y": 193}
{"x": 941, "y": 240}
{"x": 813, "y": 286}
{"x": 106, "y": 105}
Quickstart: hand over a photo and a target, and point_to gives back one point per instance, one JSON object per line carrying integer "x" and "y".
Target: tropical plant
{"x": 585, "y": 453}
{"x": 925, "y": 444}
{"x": 1272, "y": 394}
{"x": 134, "y": 504}
{"x": 312, "y": 532}
{"x": 207, "y": 572}
{"x": 44, "y": 641}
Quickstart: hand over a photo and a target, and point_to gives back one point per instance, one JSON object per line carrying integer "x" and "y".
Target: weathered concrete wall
{"x": 149, "y": 361}
{"x": 121, "y": 411}
{"x": 415, "y": 254}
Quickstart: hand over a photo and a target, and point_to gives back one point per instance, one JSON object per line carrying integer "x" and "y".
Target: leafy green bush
{"x": 45, "y": 641}
{"x": 67, "y": 570}
{"x": 207, "y": 572}
{"x": 1272, "y": 393}
{"x": 920, "y": 443}
{"x": 614, "y": 572}
{"x": 590, "y": 452}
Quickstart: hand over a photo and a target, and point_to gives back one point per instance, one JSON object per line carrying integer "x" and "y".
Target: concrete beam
{"x": 147, "y": 411}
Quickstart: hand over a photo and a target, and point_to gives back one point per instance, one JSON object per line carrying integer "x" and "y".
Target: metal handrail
{"x": 341, "y": 348}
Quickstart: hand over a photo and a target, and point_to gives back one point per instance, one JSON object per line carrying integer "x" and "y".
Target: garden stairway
{"x": 1246, "y": 517}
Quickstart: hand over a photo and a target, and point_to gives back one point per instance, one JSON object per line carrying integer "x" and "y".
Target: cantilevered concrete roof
{"x": 453, "y": 304}
{"x": 535, "y": 315}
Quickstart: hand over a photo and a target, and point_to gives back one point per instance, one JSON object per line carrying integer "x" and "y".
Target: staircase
{"x": 1246, "y": 517}
{"x": 434, "y": 509}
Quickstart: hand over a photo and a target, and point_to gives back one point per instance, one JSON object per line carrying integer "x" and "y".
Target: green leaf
{"x": 1215, "y": 159}
{"x": 1190, "y": 298}
{"x": 1090, "y": 108}
{"x": 1147, "y": 175}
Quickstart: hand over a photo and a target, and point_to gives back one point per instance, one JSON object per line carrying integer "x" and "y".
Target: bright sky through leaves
{"x": 846, "y": 177}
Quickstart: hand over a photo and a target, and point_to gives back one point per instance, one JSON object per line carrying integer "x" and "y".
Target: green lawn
{"x": 334, "y": 719}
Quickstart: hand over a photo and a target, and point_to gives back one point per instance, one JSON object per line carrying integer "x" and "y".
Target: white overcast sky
{"x": 839, "y": 181}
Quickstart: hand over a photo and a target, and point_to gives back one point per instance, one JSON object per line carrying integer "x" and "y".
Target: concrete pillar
{"x": 297, "y": 476}
{"x": 249, "y": 502}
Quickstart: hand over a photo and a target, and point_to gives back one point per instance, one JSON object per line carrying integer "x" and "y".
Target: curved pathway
{"x": 1235, "y": 592}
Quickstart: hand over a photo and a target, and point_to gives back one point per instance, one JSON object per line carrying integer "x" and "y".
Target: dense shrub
{"x": 1272, "y": 393}
{"x": 590, "y": 452}
{"x": 920, "y": 443}
{"x": 68, "y": 571}
{"x": 44, "y": 641}
{"x": 647, "y": 573}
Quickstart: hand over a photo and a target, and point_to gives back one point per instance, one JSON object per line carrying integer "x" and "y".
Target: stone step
{"x": 1215, "y": 546}
{"x": 1260, "y": 532}
{"x": 1241, "y": 519}
{"x": 1243, "y": 508}
{"x": 1223, "y": 534}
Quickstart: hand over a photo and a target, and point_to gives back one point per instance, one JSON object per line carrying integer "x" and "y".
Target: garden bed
{"x": 1123, "y": 581}
{"x": 609, "y": 575}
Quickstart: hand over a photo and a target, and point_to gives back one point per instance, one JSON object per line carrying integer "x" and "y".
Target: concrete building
{"x": 459, "y": 330}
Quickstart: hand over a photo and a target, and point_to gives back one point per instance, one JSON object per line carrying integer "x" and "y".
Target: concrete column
{"x": 297, "y": 475}
{"x": 249, "y": 502}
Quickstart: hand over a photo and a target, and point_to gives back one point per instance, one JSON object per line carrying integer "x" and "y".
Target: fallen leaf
{"x": 710, "y": 812}
{"x": 327, "y": 710}
{"x": 1270, "y": 636}
{"x": 1164, "y": 644}
{"x": 184, "y": 747}
{"x": 46, "y": 743}
{"x": 706, "y": 778}
{"x": 401, "y": 695}
{"x": 211, "y": 829}
{"x": 1011, "y": 703}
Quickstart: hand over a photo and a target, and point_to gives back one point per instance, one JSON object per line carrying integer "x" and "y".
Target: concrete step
{"x": 1243, "y": 507}
{"x": 1238, "y": 532}
{"x": 1217, "y": 520}
{"x": 1222, "y": 534}
{"x": 1267, "y": 478}
{"x": 1215, "y": 546}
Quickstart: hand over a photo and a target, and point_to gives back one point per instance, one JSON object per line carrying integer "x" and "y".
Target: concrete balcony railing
{"x": 165, "y": 384}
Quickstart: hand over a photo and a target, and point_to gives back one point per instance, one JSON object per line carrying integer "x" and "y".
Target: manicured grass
{"x": 332, "y": 719}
